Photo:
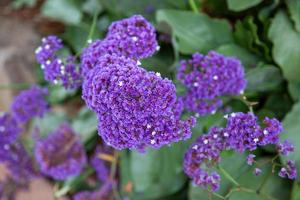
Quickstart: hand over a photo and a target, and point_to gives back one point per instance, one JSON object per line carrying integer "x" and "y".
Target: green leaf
{"x": 296, "y": 191}
{"x": 248, "y": 59}
{"x": 239, "y": 5}
{"x": 17, "y": 4}
{"x": 286, "y": 48}
{"x": 157, "y": 173}
{"x": 246, "y": 34}
{"x": 85, "y": 124}
{"x": 92, "y": 6}
{"x": 65, "y": 11}
{"x": 263, "y": 78}
{"x": 294, "y": 90}
{"x": 195, "y": 32}
{"x": 275, "y": 187}
{"x": 291, "y": 125}
{"x": 236, "y": 170}
{"x": 76, "y": 36}
{"x": 49, "y": 122}
{"x": 294, "y": 10}
{"x": 57, "y": 93}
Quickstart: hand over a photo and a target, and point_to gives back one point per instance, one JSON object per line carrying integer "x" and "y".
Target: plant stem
{"x": 113, "y": 171}
{"x": 249, "y": 104}
{"x": 193, "y": 6}
{"x": 228, "y": 176}
{"x": 263, "y": 182}
{"x": 15, "y": 86}
{"x": 93, "y": 26}
{"x": 217, "y": 195}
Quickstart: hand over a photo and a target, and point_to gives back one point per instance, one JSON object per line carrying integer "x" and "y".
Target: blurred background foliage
{"x": 263, "y": 34}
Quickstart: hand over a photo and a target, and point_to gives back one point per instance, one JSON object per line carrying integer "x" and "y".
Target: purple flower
{"x": 209, "y": 77}
{"x": 104, "y": 192}
{"x": 244, "y": 133}
{"x": 56, "y": 69}
{"x": 61, "y": 154}
{"x": 205, "y": 153}
{"x": 285, "y": 148}
{"x": 135, "y": 37}
{"x": 9, "y": 129}
{"x": 101, "y": 167}
{"x": 250, "y": 159}
{"x": 257, "y": 171}
{"x": 18, "y": 162}
{"x": 289, "y": 171}
{"x": 29, "y": 103}
{"x": 271, "y": 131}
{"x": 135, "y": 108}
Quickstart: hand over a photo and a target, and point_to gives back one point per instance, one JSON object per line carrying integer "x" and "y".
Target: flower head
{"x": 257, "y": 172}
{"x": 100, "y": 166}
{"x": 285, "y": 148}
{"x": 250, "y": 159}
{"x": 209, "y": 77}
{"x": 29, "y": 103}
{"x": 56, "y": 69}
{"x": 9, "y": 129}
{"x": 61, "y": 154}
{"x": 289, "y": 170}
{"x": 135, "y": 37}
{"x": 104, "y": 192}
{"x": 135, "y": 108}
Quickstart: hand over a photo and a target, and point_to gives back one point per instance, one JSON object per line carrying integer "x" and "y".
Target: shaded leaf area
{"x": 286, "y": 51}
{"x": 195, "y": 32}
{"x": 239, "y": 5}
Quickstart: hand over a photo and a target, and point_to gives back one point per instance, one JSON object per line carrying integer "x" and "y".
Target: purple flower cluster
{"x": 18, "y": 162}
{"x": 203, "y": 154}
{"x": 208, "y": 77}
{"x": 9, "y": 129}
{"x": 133, "y": 37}
{"x": 102, "y": 193}
{"x": 29, "y": 103}
{"x": 242, "y": 132}
{"x": 135, "y": 108}
{"x": 55, "y": 69}
{"x": 61, "y": 154}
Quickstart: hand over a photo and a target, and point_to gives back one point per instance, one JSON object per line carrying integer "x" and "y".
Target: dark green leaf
{"x": 263, "y": 78}
{"x": 294, "y": 9}
{"x": 92, "y": 7}
{"x": 286, "y": 48}
{"x": 239, "y": 5}
{"x": 65, "y": 11}
{"x": 195, "y": 32}
{"x": 294, "y": 90}
{"x": 248, "y": 59}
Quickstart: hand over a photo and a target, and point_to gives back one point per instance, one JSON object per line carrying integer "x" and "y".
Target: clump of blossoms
{"x": 208, "y": 77}
{"x": 29, "y": 103}
{"x": 61, "y": 154}
{"x": 133, "y": 37}
{"x": 9, "y": 129}
{"x": 242, "y": 133}
{"x": 104, "y": 192}
{"x": 135, "y": 108}
{"x": 55, "y": 68}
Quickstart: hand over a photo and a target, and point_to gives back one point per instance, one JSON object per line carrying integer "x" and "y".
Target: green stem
{"x": 193, "y": 6}
{"x": 263, "y": 182}
{"x": 228, "y": 176}
{"x": 93, "y": 26}
{"x": 217, "y": 195}
{"x": 246, "y": 102}
{"x": 113, "y": 171}
{"x": 15, "y": 86}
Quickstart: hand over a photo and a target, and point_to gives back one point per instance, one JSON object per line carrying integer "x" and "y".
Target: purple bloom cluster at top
{"x": 55, "y": 69}
{"x": 135, "y": 108}
{"x": 61, "y": 154}
{"x": 29, "y": 103}
{"x": 241, "y": 133}
{"x": 9, "y": 129}
{"x": 133, "y": 37}
{"x": 208, "y": 77}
